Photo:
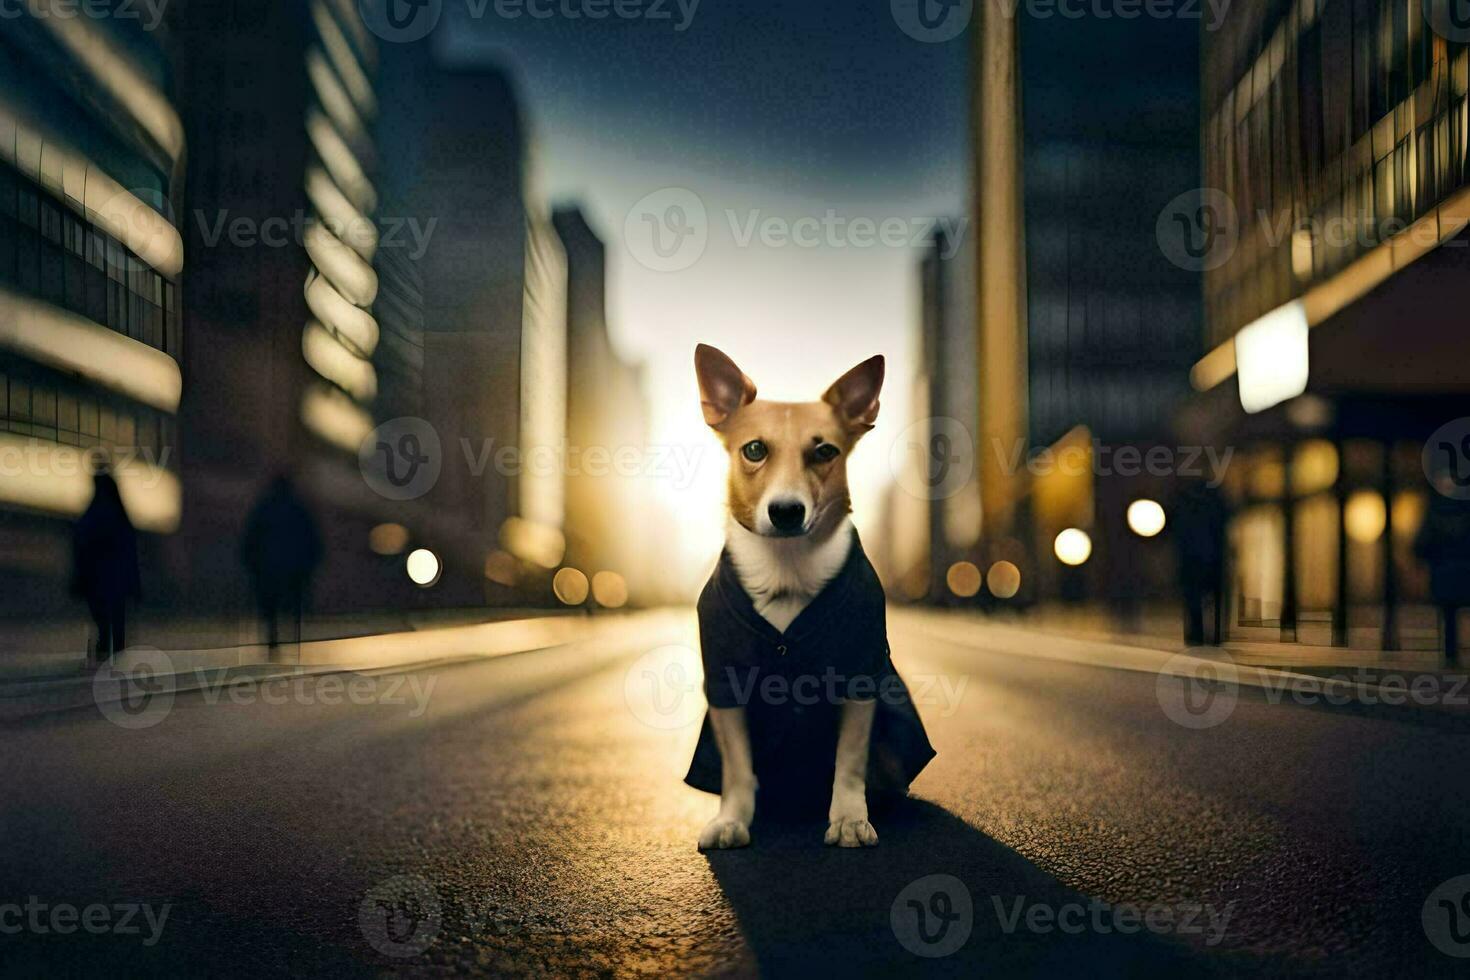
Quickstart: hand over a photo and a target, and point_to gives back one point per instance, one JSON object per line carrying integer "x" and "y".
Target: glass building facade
{"x": 341, "y": 335}
{"x": 1336, "y": 130}
{"x": 1331, "y": 125}
{"x": 91, "y": 154}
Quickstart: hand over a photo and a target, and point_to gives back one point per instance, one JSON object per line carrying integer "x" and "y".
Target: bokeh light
{"x": 500, "y": 568}
{"x": 609, "y": 589}
{"x": 1003, "y": 580}
{"x": 1073, "y": 546}
{"x": 963, "y": 579}
{"x": 1365, "y": 516}
{"x": 570, "y": 586}
{"x": 1146, "y": 517}
{"x": 423, "y": 567}
{"x": 388, "y": 539}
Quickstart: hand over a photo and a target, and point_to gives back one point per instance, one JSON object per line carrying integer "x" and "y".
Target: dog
{"x": 794, "y": 606}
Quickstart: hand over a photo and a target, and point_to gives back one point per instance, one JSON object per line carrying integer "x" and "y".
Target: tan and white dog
{"x": 788, "y": 534}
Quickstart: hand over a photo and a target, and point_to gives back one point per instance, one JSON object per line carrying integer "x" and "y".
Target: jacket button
{"x": 781, "y": 649}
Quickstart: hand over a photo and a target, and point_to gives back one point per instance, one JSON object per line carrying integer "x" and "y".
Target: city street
{"x": 525, "y": 813}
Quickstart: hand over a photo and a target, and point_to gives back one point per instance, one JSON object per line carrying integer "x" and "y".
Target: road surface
{"x": 525, "y": 814}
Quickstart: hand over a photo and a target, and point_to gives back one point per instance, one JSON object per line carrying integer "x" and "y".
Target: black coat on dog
{"x": 792, "y": 685}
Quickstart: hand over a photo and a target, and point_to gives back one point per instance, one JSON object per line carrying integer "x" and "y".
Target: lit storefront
{"x": 1337, "y": 142}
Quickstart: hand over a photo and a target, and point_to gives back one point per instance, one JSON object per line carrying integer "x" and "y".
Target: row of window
{"x": 37, "y": 402}
{"x": 1351, "y": 122}
{"x": 46, "y": 251}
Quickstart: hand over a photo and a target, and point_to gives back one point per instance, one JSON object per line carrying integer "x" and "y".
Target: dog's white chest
{"x": 783, "y": 575}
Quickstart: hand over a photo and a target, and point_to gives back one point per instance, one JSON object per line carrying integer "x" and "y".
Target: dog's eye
{"x": 826, "y": 452}
{"x": 754, "y": 450}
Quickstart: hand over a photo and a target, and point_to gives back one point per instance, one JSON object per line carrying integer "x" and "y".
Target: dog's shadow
{"x": 807, "y": 909}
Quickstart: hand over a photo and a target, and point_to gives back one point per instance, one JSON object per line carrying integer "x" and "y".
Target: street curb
{"x": 1326, "y": 691}
{"x": 83, "y": 694}
{"x": 78, "y": 692}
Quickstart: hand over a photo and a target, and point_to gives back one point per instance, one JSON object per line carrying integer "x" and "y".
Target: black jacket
{"x": 792, "y": 685}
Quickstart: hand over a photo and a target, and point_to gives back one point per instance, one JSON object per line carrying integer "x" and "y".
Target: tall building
{"x": 941, "y": 480}
{"x": 607, "y": 497}
{"x": 470, "y": 178}
{"x": 283, "y": 200}
{"x": 91, "y": 339}
{"x": 486, "y": 310}
{"x": 383, "y": 321}
{"x": 1334, "y": 255}
{"x": 1084, "y": 129}
{"x": 358, "y": 264}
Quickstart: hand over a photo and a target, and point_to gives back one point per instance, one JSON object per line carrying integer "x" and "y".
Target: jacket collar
{"x": 823, "y": 607}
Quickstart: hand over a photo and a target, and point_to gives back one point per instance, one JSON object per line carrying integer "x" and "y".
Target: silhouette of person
{"x": 105, "y": 563}
{"x": 1443, "y": 543}
{"x": 281, "y": 548}
{"x": 1199, "y": 545}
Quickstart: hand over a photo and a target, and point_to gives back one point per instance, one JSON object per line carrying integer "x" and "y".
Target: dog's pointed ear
{"x": 855, "y": 394}
{"x": 723, "y": 387}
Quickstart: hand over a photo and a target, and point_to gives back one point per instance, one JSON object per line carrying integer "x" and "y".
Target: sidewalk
{"x": 1162, "y": 629}
{"x": 1316, "y": 676}
{"x": 332, "y": 645}
{"x": 57, "y": 648}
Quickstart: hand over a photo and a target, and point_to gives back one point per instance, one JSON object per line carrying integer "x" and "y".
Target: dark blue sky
{"x": 829, "y": 97}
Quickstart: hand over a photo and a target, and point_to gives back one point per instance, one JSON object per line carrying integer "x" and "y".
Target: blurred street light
{"x": 570, "y": 586}
{"x": 1004, "y": 580}
{"x": 1073, "y": 546}
{"x": 1145, "y": 517}
{"x": 963, "y": 579}
{"x": 423, "y": 567}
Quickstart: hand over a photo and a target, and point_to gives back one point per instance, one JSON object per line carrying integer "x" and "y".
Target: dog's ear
{"x": 723, "y": 387}
{"x": 855, "y": 394}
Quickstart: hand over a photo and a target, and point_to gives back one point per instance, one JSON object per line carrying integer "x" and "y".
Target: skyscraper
{"x": 91, "y": 340}
{"x": 1086, "y": 330}
{"x": 607, "y": 428}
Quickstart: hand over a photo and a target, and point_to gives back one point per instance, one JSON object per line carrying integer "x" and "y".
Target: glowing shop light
{"x": 1365, "y": 516}
{"x": 1271, "y": 357}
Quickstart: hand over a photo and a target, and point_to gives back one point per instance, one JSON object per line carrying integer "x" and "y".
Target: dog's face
{"x": 788, "y": 460}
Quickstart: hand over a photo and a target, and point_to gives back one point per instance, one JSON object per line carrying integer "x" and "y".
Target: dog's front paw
{"x": 722, "y": 833}
{"x": 853, "y": 831}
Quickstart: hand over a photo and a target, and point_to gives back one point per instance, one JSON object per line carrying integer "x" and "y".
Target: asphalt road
{"x": 525, "y": 814}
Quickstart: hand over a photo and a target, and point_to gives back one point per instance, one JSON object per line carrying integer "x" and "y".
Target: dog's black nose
{"x": 787, "y": 516}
